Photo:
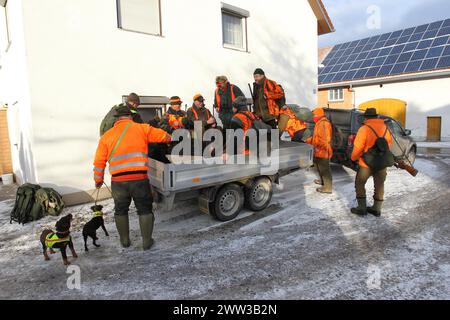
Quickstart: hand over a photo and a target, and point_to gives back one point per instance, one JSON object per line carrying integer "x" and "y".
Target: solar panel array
{"x": 412, "y": 50}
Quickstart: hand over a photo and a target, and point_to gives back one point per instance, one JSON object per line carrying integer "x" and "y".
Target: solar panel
{"x": 416, "y": 49}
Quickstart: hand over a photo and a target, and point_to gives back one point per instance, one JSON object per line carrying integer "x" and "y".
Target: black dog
{"x": 59, "y": 239}
{"x": 90, "y": 229}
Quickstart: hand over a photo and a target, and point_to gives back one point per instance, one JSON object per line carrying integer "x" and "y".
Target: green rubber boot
{"x": 361, "y": 210}
{"x": 146, "y": 223}
{"x": 376, "y": 208}
{"x": 123, "y": 227}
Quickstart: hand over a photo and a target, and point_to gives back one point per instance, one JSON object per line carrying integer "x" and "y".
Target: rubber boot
{"x": 319, "y": 182}
{"x": 146, "y": 223}
{"x": 123, "y": 227}
{"x": 376, "y": 208}
{"x": 361, "y": 210}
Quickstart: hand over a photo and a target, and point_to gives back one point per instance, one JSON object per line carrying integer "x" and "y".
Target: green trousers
{"x": 324, "y": 169}
{"x": 378, "y": 180}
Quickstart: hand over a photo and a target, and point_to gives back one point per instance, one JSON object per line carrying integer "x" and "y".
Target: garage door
{"x": 434, "y": 129}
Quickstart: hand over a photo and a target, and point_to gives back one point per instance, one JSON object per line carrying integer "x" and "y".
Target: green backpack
{"x": 23, "y": 207}
{"x": 47, "y": 202}
{"x": 301, "y": 113}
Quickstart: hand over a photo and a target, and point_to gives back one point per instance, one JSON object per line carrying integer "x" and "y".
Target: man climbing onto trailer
{"x": 290, "y": 123}
{"x": 125, "y": 148}
{"x": 133, "y": 103}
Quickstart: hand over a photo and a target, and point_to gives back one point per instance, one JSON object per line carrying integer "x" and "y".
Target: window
{"x": 140, "y": 16}
{"x": 234, "y": 27}
{"x": 5, "y": 38}
{"x": 336, "y": 95}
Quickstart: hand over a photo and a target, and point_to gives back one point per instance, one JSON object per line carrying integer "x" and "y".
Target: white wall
{"x": 80, "y": 65}
{"x": 425, "y": 98}
{"x": 14, "y": 91}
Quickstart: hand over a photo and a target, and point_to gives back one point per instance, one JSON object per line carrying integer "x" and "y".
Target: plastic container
{"x": 8, "y": 179}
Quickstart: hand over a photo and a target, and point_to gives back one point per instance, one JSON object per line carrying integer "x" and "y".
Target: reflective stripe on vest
{"x": 196, "y": 114}
{"x": 128, "y": 156}
{"x": 53, "y": 239}
{"x": 218, "y": 99}
{"x": 128, "y": 165}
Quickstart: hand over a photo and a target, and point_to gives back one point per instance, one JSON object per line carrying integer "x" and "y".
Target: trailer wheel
{"x": 259, "y": 194}
{"x": 228, "y": 202}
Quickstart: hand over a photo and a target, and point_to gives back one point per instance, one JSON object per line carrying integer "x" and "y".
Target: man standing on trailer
{"x": 226, "y": 93}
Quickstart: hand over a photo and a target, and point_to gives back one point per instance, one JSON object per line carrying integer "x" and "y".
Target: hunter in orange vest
{"x": 372, "y": 129}
{"x": 267, "y": 95}
{"x": 225, "y": 94}
{"x": 323, "y": 150}
{"x": 291, "y": 124}
{"x": 125, "y": 148}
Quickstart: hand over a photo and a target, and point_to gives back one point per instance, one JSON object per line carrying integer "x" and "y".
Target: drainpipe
{"x": 353, "y": 96}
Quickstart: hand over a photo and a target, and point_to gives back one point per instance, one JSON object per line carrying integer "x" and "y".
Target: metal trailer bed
{"x": 224, "y": 189}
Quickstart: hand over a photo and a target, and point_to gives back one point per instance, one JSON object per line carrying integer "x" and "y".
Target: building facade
{"x": 412, "y": 65}
{"x": 64, "y": 64}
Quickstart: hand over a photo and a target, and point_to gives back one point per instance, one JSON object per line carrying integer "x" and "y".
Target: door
{"x": 5, "y": 145}
{"x": 434, "y": 128}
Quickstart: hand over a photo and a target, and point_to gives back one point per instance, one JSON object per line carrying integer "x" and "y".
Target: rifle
{"x": 251, "y": 92}
{"x": 402, "y": 164}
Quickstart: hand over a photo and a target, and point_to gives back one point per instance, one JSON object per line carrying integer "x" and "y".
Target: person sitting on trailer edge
{"x": 175, "y": 118}
{"x": 199, "y": 112}
{"x": 242, "y": 119}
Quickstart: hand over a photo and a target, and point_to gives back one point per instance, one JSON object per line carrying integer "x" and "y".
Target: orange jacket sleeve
{"x": 359, "y": 146}
{"x": 101, "y": 158}
{"x": 274, "y": 91}
{"x": 156, "y": 135}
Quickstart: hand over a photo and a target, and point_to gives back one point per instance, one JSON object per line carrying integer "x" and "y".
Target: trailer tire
{"x": 228, "y": 202}
{"x": 259, "y": 194}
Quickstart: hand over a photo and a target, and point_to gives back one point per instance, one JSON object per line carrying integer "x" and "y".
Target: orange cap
{"x": 319, "y": 112}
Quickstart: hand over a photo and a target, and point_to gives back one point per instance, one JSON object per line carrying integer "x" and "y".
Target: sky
{"x": 358, "y": 19}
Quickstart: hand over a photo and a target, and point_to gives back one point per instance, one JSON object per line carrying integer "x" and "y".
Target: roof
{"x": 323, "y": 53}
{"x": 324, "y": 23}
{"x": 415, "y": 52}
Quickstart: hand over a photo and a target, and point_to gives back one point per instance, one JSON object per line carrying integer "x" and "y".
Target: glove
{"x": 98, "y": 185}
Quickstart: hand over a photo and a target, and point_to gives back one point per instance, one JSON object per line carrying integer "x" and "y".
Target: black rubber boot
{"x": 123, "y": 227}
{"x": 146, "y": 223}
{"x": 361, "y": 210}
{"x": 376, "y": 208}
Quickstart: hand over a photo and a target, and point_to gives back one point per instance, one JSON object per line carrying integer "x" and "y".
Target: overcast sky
{"x": 351, "y": 17}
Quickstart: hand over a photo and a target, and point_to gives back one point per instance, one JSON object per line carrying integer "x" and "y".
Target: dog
{"x": 90, "y": 228}
{"x": 59, "y": 240}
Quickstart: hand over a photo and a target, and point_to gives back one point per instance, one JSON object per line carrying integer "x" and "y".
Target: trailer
{"x": 223, "y": 190}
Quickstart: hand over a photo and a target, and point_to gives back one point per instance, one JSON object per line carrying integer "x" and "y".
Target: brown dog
{"x": 59, "y": 239}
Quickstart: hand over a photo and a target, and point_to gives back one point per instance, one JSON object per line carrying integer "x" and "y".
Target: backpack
{"x": 303, "y": 114}
{"x": 24, "y": 204}
{"x": 337, "y": 137}
{"x": 379, "y": 157}
{"x": 48, "y": 202}
{"x": 109, "y": 121}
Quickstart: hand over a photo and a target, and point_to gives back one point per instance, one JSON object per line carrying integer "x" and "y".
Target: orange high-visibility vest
{"x": 131, "y": 155}
{"x": 233, "y": 96}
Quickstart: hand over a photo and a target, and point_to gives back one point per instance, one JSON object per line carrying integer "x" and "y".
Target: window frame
{"x": 120, "y": 27}
{"x": 332, "y": 95}
{"x": 241, "y": 14}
